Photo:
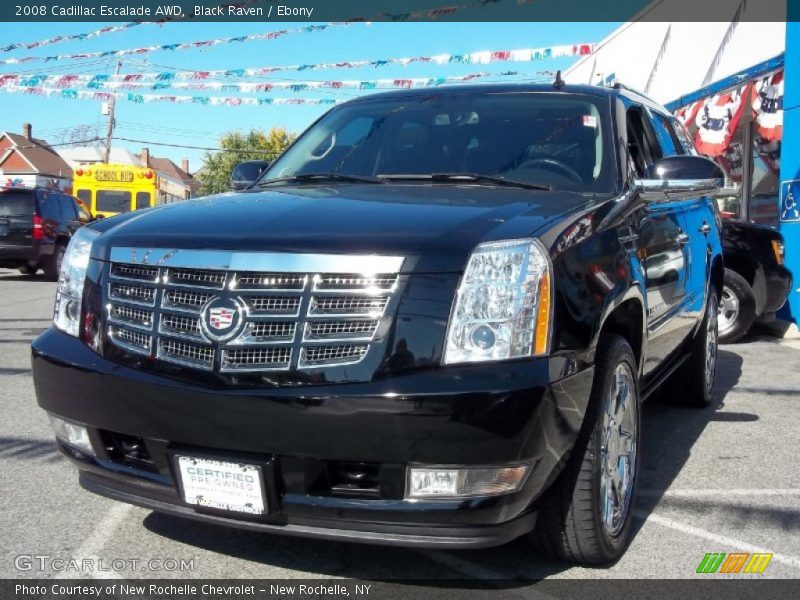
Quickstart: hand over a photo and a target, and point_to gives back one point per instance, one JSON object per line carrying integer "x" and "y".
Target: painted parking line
{"x": 93, "y": 545}
{"x": 701, "y": 493}
{"x": 725, "y": 540}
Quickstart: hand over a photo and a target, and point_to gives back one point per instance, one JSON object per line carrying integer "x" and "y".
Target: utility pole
{"x": 110, "y": 128}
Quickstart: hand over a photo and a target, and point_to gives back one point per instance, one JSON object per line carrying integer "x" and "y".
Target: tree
{"x": 237, "y": 147}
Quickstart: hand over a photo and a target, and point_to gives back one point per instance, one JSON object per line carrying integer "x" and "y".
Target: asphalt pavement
{"x": 722, "y": 479}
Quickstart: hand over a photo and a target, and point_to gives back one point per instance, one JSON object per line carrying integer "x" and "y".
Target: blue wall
{"x": 790, "y": 163}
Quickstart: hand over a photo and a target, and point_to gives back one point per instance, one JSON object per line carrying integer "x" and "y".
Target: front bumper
{"x": 529, "y": 411}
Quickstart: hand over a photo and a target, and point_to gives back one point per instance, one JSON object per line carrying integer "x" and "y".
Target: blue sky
{"x": 197, "y": 125}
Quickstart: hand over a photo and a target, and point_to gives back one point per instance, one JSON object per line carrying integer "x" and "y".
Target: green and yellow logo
{"x": 735, "y": 562}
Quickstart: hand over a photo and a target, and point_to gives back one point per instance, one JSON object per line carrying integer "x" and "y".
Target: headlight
{"x": 503, "y": 305}
{"x": 67, "y": 314}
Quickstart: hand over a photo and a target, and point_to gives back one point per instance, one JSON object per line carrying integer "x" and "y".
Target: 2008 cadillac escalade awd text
{"x": 431, "y": 322}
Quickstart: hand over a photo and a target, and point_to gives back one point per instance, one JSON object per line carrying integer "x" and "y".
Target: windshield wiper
{"x": 469, "y": 178}
{"x": 323, "y": 177}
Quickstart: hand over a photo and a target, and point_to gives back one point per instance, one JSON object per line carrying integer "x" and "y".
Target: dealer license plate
{"x": 224, "y": 485}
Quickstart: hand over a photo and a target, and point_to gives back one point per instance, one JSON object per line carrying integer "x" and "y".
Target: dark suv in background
{"x": 430, "y": 322}
{"x": 36, "y": 225}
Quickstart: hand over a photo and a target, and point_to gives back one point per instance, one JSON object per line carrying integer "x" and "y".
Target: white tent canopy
{"x": 668, "y": 59}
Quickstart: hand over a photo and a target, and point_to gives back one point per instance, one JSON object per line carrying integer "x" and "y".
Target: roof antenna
{"x": 558, "y": 83}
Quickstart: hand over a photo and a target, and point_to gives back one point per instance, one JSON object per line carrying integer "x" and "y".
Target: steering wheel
{"x": 552, "y": 164}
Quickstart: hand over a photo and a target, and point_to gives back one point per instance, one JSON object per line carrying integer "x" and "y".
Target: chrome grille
{"x": 272, "y": 331}
{"x": 257, "y": 359}
{"x": 332, "y": 355}
{"x": 180, "y": 324}
{"x": 196, "y": 277}
{"x": 274, "y": 305}
{"x": 123, "y": 314}
{"x": 348, "y": 305}
{"x": 130, "y": 339}
{"x": 356, "y": 282}
{"x": 270, "y": 281}
{"x": 341, "y": 330}
{"x": 186, "y": 352}
{"x": 185, "y": 299}
{"x": 133, "y": 293}
{"x": 141, "y": 272}
{"x": 283, "y": 321}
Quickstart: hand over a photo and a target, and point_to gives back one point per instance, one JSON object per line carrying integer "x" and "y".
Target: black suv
{"x": 430, "y": 322}
{"x": 36, "y": 225}
{"x": 756, "y": 280}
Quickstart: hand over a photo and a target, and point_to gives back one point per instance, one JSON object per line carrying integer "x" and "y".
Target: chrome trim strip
{"x": 280, "y": 262}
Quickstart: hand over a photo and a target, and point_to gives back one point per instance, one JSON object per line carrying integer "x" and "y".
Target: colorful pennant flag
{"x": 135, "y": 82}
{"x": 75, "y": 94}
{"x": 471, "y": 58}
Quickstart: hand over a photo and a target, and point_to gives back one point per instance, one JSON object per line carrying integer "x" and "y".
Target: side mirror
{"x": 678, "y": 177}
{"x": 246, "y": 173}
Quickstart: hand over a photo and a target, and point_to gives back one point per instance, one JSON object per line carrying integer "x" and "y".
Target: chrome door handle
{"x": 705, "y": 228}
{"x": 682, "y": 238}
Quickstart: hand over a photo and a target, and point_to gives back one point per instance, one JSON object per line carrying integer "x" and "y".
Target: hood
{"x": 435, "y": 226}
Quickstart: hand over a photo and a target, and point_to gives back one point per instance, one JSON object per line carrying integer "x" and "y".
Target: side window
{"x": 684, "y": 137}
{"x": 667, "y": 138}
{"x": 142, "y": 200}
{"x": 67, "y": 207}
{"x": 86, "y": 196}
{"x": 48, "y": 205}
{"x": 642, "y": 147}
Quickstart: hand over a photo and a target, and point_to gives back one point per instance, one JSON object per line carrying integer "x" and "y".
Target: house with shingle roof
{"x": 28, "y": 161}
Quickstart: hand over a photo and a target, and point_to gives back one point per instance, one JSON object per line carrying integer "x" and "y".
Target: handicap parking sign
{"x": 790, "y": 201}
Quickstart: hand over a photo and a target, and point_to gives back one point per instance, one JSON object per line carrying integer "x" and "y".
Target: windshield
{"x": 552, "y": 139}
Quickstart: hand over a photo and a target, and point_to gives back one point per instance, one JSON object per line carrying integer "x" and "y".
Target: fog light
{"x": 464, "y": 482}
{"x": 71, "y": 433}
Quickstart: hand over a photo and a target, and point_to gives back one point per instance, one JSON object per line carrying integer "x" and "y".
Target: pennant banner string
{"x": 80, "y": 37}
{"x": 254, "y": 87}
{"x": 472, "y": 58}
{"x": 74, "y": 94}
{"x": 432, "y": 13}
{"x": 272, "y": 35}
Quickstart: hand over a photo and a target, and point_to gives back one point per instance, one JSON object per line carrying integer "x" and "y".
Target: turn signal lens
{"x": 464, "y": 482}
{"x": 72, "y": 434}
{"x": 779, "y": 249}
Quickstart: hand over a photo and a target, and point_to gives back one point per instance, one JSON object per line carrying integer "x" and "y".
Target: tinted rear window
{"x": 16, "y": 202}
{"x": 112, "y": 201}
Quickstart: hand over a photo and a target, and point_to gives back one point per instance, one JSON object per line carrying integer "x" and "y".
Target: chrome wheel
{"x": 712, "y": 334}
{"x": 728, "y": 310}
{"x": 618, "y": 450}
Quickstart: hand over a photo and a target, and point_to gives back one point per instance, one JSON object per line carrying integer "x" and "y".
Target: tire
{"x": 52, "y": 266}
{"x": 27, "y": 269}
{"x": 572, "y": 523}
{"x": 697, "y": 374}
{"x": 737, "y": 308}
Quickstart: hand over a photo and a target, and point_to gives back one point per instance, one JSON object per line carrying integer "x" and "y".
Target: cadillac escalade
{"x": 431, "y": 321}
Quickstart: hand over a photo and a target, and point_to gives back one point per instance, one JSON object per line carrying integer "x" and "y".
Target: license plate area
{"x": 222, "y": 484}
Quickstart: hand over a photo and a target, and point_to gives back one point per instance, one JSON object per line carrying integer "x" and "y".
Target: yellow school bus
{"x": 110, "y": 189}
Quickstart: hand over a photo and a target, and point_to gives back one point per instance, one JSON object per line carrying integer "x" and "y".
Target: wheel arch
{"x": 626, "y": 319}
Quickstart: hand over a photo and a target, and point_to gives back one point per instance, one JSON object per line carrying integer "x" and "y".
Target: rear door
{"x": 69, "y": 215}
{"x": 50, "y": 212}
{"x": 17, "y": 208}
